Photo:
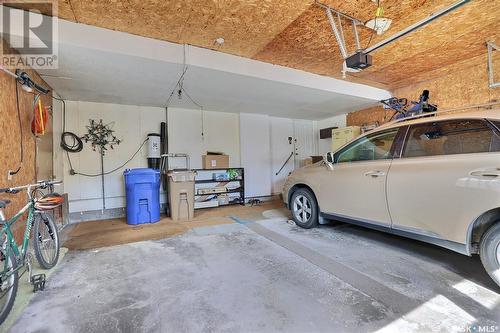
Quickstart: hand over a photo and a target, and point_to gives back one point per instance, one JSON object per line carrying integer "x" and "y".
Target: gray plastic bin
{"x": 181, "y": 194}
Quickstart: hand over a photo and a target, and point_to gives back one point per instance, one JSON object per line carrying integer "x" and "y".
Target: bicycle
{"x": 46, "y": 245}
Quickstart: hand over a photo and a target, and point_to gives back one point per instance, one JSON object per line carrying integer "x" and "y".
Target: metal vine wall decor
{"x": 101, "y": 137}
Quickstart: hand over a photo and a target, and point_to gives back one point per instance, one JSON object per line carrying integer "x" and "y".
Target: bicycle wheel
{"x": 45, "y": 240}
{"x": 8, "y": 284}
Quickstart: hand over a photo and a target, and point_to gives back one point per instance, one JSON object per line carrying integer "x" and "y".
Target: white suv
{"x": 434, "y": 178}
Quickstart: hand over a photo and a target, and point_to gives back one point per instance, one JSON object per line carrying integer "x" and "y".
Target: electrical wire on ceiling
{"x": 181, "y": 78}
{"x": 373, "y": 32}
{"x": 202, "y": 112}
{"x": 179, "y": 87}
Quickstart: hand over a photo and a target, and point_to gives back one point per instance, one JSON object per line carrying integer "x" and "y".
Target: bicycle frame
{"x": 20, "y": 253}
{"x": 9, "y": 242}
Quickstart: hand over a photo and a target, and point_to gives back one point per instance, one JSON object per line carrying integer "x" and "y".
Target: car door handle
{"x": 485, "y": 173}
{"x": 375, "y": 174}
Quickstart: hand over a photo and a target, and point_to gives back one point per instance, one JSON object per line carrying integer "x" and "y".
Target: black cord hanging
{"x": 21, "y": 145}
{"x": 70, "y": 142}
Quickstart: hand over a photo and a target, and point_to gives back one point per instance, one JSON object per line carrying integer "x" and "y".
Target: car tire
{"x": 304, "y": 208}
{"x": 490, "y": 252}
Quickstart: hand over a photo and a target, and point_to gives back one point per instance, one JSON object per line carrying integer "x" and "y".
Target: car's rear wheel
{"x": 304, "y": 208}
{"x": 490, "y": 252}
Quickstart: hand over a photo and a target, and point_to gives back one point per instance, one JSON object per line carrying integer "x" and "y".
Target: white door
{"x": 304, "y": 141}
{"x": 255, "y": 150}
{"x": 356, "y": 187}
{"x": 448, "y": 176}
{"x": 282, "y": 151}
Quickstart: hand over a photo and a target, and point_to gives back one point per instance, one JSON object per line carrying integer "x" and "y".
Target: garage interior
{"x": 242, "y": 93}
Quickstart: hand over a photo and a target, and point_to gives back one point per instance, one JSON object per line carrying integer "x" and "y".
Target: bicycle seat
{"x": 4, "y": 203}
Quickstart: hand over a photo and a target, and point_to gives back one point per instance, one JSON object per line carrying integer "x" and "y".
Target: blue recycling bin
{"x": 143, "y": 195}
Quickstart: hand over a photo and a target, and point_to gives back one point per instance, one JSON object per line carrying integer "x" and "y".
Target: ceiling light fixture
{"x": 380, "y": 23}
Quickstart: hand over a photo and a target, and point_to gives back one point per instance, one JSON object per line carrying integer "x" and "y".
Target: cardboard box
{"x": 215, "y": 161}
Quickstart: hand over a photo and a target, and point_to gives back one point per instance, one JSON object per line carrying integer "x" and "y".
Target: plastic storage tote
{"x": 181, "y": 194}
{"x": 143, "y": 195}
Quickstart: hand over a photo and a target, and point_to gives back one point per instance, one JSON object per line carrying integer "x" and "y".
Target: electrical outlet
{"x": 10, "y": 173}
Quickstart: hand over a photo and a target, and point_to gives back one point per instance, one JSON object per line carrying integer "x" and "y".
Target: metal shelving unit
{"x": 204, "y": 179}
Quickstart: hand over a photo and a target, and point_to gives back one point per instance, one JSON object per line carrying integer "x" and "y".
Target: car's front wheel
{"x": 490, "y": 252}
{"x": 304, "y": 208}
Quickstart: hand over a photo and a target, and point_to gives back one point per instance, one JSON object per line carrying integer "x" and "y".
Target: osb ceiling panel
{"x": 306, "y": 44}
{"x": 309, "y": 44}
{"x": 477, "y": 62}
{"x": 64, "y": 9}
{"x": 441, "y": 55}
{"x": 246, "y": 25}
{"x": 296, "y": 33}
{"x": 459, "y": 35}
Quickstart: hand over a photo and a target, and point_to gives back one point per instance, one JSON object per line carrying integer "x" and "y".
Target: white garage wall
{"x": 220, "y": 133}
{"x": 184, "y": 134}
{"x": 246, "y": 138}
{"x": 131, "y": 124}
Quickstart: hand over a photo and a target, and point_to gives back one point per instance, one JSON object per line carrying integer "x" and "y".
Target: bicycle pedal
{"x": 38, "y": 282}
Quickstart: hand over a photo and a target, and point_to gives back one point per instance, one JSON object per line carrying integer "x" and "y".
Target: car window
{"x": 495, "y": 142}
{"x": 450, "y": 137}
{"x": 497, "y": 124}
{"x": 369, "y": 148}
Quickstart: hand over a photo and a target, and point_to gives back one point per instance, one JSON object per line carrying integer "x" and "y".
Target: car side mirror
{"x": 329, "y": 159}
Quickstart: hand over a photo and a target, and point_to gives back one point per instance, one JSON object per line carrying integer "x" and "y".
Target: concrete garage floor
{"x": 266, "y": 276}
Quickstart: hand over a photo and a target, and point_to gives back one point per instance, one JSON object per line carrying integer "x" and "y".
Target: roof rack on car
{"x": 437, "y": 113}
